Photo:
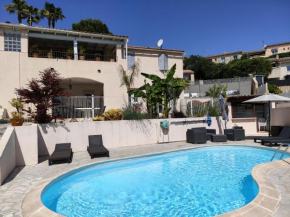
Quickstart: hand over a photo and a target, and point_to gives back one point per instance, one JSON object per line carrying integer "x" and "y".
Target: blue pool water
{"x": 197, "y": 182}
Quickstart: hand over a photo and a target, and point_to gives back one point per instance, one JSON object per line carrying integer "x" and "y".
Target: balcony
{"x": 61, "y": 49}
{"x": 67, "y": 55}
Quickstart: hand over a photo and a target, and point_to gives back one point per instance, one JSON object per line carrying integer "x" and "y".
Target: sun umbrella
{"x": 268, "y": 98}
{"x": 224, "y": 114}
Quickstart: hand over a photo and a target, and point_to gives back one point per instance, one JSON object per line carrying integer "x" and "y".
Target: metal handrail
{"x": 66, "y": 55}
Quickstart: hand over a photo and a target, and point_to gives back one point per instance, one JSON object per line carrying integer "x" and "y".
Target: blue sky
{"x": 203, "y": 27}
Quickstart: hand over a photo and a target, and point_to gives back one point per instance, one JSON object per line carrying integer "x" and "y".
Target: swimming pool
{"x": 198, "y": 182}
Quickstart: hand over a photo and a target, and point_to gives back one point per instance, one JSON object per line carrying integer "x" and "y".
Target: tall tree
{"x": 127, "y": 78}
{"x": 57, "y": 15}
{"x": 203, "y": 68}
{"x": 91, "y": 25}
{"x": 255, "y": 66}
{"x": 32, "y": 14}
{"x": 17, "y": 6}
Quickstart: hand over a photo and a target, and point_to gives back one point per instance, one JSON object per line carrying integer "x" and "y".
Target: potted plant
{"x": 34, "y": 50}
{"x": 49, "y": 54}
{"x": 17, "y": 116}
{"x": 69, "y": 53}
{"x": 98, "y": 57}
{"x": 82, "y": 50}
{"x": 110, "y": 55}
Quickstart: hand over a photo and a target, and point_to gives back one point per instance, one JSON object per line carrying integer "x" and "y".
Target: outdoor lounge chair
{"x": 284, "y": 134}
{"x": 236, "y": 134}
{"x": 62, "y": 152}
{"x": 275, "y": 141}
{"x": 96, "y": 147}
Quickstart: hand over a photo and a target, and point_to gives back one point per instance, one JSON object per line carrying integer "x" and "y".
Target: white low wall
{"x": 7, "y": 154}
{"x": 21, "y": 146}
{"x": 116, "y": 133}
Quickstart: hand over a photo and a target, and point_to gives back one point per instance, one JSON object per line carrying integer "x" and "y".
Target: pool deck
{"x": 273, "y": 179}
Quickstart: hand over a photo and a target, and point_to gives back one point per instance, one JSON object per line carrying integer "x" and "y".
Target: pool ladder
{"x": 278, "y": 149}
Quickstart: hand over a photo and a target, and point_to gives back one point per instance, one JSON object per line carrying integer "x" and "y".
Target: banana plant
{"x": 150, "y": 96}
{"x": 162, "y": 90}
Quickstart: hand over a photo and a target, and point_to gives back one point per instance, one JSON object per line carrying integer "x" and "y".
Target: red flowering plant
{"x": 42, "y": 93}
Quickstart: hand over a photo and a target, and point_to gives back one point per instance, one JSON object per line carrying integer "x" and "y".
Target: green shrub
{"x": 214, "y": 111}
{"x": 132, "y": 113}
{"x": 274, "y": 89}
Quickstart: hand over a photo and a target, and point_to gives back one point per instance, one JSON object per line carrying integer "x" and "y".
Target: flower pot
{"x": 82, "y": 57}
{"x": 98, "y": 58}
{"x": 112, "y": 60}
{"x": 49, "y": 56}
{"x": 68, "y": 57}
{"x": 16, "y": 121}
{"x": 35, "y": 54}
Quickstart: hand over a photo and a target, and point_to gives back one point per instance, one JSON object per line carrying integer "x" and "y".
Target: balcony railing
{"x": 64, "y": 55}
{"x": 71, "y": 107}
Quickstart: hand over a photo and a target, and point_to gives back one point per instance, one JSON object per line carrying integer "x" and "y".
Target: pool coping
{"x": 265, "y": 204}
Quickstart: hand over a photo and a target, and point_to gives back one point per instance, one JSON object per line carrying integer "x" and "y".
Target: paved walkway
{"x": 23, "y": 179}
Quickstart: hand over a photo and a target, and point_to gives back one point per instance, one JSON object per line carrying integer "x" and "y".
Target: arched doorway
{"x": 85, "y": 99}
{"x": 82, "y": 87}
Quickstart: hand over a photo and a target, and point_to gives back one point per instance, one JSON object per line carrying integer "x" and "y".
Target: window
{"x": 12, "y": 42}
{"x": 274, "y": 51}
{"x": 133, "y": 99}
{"x": 288, "y": 68}
{"x": 131, "y": 60}
{"x": 235, "y": 57}
{"x": 223, "y": 60}
{"x": 186, "y": 76}
{"x": 163, "y": 62}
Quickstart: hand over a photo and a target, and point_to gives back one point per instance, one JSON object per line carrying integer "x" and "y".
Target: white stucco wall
{"x": 280, "y": 117}
{"x": 7, "y": 154}
{"x": 17, "y": 68}
{"x": 116, "y": 133}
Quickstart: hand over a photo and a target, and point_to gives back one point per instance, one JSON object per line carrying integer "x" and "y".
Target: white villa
{"x": 25, "y": 50}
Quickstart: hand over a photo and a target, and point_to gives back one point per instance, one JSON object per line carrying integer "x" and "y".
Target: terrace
{"x": 63, "y": 49}
{"x": 24, "y": 179}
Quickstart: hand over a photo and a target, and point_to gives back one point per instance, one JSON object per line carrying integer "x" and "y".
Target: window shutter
{"x": 131, "y": 60}
{"x": 163, "y": 62}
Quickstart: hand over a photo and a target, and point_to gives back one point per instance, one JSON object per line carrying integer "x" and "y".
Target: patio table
{"x": 87, "y": 112}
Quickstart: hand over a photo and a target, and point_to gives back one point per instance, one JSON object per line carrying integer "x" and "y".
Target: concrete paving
{"x": 23, "y": 179}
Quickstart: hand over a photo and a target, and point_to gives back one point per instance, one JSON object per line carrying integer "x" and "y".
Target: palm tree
{"x": 48, "y": 11}
{"x": 57, "y": 15}
{"x": 127, "y": 78}
{"x": 17, "y": 6}
{"x": 32, "y": 14}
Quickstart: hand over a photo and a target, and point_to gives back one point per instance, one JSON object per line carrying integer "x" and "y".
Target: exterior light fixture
{"x": 70, "y": 85}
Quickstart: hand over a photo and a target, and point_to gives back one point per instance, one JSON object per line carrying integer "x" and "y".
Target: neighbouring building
{"x": 225, "y": 57}
{"x": 25, "y": 50}
{"x": 277, "y": 54}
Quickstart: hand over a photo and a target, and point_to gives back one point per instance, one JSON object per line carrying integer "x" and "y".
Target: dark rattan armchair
{"x": 235, "y": 134}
